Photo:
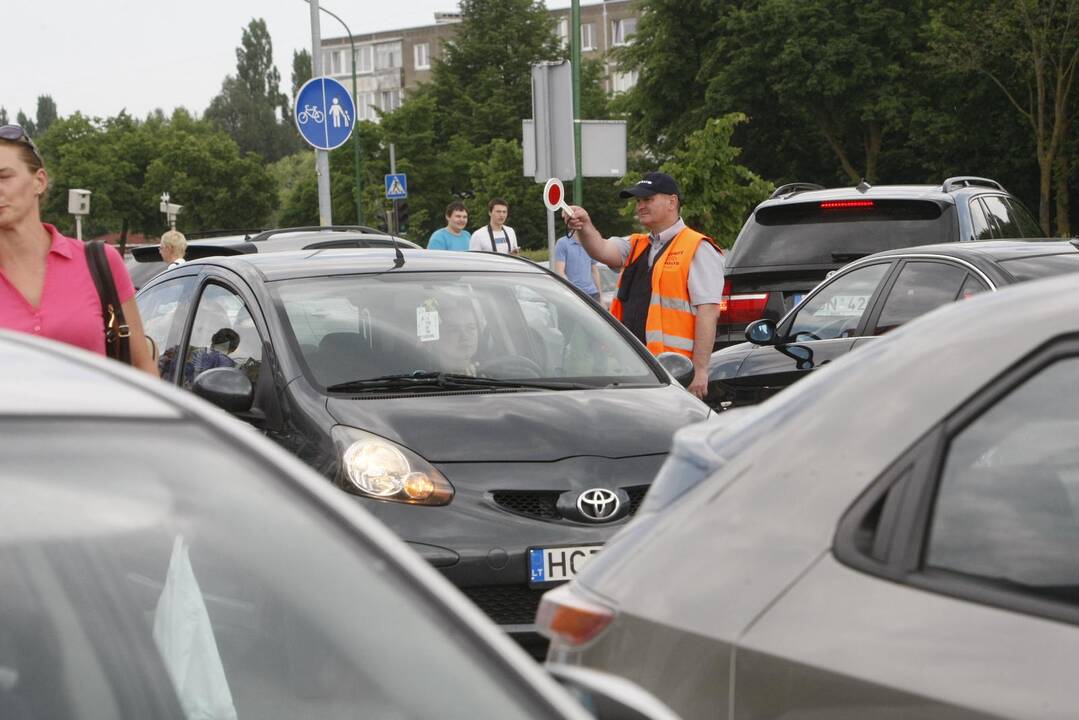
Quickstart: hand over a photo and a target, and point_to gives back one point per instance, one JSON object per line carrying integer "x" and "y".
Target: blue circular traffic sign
{"x": 325, "y": 113}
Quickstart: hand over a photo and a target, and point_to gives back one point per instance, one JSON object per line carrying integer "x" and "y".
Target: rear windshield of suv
{"x": 838, "y": 231}
{"x": 1042, "y": 266}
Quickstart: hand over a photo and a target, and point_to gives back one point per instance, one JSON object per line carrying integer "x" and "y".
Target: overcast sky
{"x": 101, "y": 56}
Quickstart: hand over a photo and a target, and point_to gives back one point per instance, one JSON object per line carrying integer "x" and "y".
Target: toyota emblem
{"x": 598, "y": 504}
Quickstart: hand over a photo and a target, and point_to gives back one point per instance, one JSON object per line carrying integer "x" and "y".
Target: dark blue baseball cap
{"x": 651, "y": 184}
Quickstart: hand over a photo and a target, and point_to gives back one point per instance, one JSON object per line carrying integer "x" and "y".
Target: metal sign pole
{"x": 322, "y": 158}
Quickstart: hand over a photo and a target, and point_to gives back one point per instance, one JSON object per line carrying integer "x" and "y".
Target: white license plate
{"x": 547, "y": 565}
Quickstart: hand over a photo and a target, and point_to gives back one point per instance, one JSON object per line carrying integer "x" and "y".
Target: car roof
{"x": 349, "y": 261}
{"x": 46, "y": 379}
{"x": 935, "y": 193}
{"x": 997, "y": 250}
{"x": 277, "y": 242}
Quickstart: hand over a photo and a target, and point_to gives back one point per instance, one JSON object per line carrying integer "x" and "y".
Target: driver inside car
{"x": 458, "y": 335}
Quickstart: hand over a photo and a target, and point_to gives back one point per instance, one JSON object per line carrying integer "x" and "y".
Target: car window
{"x": 499, "y": 325}
{"x": 979, "y": 222}
{"x": 1007, "y": 507}
{"x": 836, "y": 309}
{"x": 1009, "y": 219}
{"x": 186, "y": 588}
{"x": 223, "y": 335}
{"x": 971, "y": 287}
{"x": 920, "y": 287}
{"x": 159, "y": 307}
{"x": 817, "y": 233}
{"x": 1028, "y": 226}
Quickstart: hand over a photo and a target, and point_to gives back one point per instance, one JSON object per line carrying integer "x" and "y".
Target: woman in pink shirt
{"x": 45, "y": 283}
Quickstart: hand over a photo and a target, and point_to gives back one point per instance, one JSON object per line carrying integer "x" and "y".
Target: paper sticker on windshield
{"x": 843, "y": 306}
{"x": 426, "y": 324}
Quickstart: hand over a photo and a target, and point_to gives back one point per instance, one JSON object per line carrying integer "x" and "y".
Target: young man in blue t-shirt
{"x": 453, "y": 236}
{"x": 573, "y": 262}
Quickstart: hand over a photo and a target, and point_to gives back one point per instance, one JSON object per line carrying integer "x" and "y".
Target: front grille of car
{"x": 543, "y": 504}
{"x": 506, "y": 604}
{"x": 636, "y": 496}
{"x": 539, "y": 504}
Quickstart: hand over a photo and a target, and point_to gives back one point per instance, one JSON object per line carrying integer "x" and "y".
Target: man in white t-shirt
{"x": 496, "y": 236}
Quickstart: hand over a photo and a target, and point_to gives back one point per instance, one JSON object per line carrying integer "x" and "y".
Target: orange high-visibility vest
{"x": 670, "y": 324}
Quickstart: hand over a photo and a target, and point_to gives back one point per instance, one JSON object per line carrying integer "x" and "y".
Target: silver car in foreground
{"x": 161, "y": 560}
{"x": 897, "y": 536}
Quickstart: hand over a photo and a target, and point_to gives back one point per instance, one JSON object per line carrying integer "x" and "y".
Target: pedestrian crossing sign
{"x": 396, "y": 187}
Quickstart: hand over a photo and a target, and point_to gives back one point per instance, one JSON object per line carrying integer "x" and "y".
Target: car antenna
{"x": 399, "y": 257}
{"x": 863, "y": 186}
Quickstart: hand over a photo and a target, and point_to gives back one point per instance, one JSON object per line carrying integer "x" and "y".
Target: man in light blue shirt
{"x": 453, "y": 236}
{"x": 573, "y": 262}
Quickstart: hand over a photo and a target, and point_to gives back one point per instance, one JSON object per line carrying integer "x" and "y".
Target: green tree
{"x": 301, "y": 71}
{"x": 127, "y": 163}
{"x": 46, "y": 112}
{"x": 205, "y": 172}
{"x": 718, "y": 192}
{"x": 251, "y": 107}
{"x": 483, "y": 81}
{"x": 843, "y": 68}
{"x": 668, "y": 53}
{"x": 3, "y": 116}
{"x": 1029, "y": 49}
{"x": 26, "y": 123}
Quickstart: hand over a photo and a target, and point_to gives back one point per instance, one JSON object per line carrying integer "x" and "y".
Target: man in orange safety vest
{"x": 671, "y": 282}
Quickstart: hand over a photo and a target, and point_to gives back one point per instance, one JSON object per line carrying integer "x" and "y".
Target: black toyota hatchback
{"x": 494, "y": 417}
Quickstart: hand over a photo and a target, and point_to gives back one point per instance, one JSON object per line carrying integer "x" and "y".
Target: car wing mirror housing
{"x": 679, "y": 366}
{"x": 227, "y": 388}
{"x": 609, "y": 697}
{"x": 802, "y": 355}
{"x": 761, "y": 332}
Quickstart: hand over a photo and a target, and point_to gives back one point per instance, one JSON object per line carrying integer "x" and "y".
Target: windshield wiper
{"x": 447, "y": 381}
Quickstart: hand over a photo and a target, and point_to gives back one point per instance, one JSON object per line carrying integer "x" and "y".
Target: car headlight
{"x": 375, "y": 467}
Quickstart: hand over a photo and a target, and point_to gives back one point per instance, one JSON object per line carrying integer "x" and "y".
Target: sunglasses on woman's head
{"x": 16, "y": 133}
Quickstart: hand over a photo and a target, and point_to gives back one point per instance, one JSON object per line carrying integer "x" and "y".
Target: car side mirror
{"x": 679, "y": 366}
{"x": 227, "y": 388}
{"x": 801, "y": 354}
{"x": 609, "y": 697}
{"x": 761, "y": 332}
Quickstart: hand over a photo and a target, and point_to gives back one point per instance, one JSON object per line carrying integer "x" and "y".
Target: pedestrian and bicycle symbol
{"x": 325, "y": 113}
{"x": 396, "y": 186}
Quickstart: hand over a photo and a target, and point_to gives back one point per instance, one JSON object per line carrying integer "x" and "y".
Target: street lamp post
{"x": 356, "y": 195}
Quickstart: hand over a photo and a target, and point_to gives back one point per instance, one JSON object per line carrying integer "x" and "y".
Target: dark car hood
{"x": 527, "y": 426}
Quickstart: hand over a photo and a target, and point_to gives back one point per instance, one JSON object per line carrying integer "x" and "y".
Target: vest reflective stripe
{"x": 670, "y": 325}
{"x": 673, "y": 304}
{"x": 672, "y": 341}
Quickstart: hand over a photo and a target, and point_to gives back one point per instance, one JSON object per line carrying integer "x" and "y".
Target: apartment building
{"x": 392, "y": 62}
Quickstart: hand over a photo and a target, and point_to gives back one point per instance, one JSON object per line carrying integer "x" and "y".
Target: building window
{"x": 623, "y": 30}
{"x": 390, "y": 100}
{"x": 334, "y": 62}
{"x": 364, "y": 55}
{"x": 621, "y": 82}
{"x": 588, "y": 36}
{"x": 421, "y": 55}
{"x": 563, "y": 31}
{"x": 388, "y": 56}
{"x": 367, "y": 107}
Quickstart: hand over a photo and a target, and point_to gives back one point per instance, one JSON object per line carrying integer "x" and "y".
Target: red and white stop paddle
{"x": 554, "y": 196}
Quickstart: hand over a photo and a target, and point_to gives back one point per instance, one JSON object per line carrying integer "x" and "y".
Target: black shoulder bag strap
{"x": 117, "y": 333}
{"x": 491, "y": 234}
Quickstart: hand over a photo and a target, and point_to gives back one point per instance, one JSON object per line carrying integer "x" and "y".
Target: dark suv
{"x": 803, "y": 231}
